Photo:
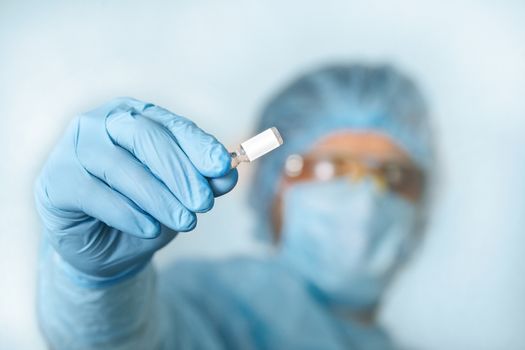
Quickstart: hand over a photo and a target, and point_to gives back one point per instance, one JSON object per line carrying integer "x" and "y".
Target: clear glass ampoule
{"x": 257, "y": 146}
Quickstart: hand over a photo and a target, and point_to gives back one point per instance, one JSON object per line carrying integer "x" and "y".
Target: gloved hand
{"x": 124, "y": 179}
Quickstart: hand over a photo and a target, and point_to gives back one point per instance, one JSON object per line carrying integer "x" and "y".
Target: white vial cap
{"x": 262, "y": 143}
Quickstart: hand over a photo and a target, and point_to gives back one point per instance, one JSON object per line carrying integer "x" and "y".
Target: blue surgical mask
{"x": 345, "y": 238}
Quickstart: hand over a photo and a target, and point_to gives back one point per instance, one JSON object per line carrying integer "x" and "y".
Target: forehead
{"x": 360, "y": 143}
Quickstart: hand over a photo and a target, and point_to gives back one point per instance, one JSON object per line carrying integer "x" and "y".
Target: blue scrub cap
{"x": 352, "y": 96}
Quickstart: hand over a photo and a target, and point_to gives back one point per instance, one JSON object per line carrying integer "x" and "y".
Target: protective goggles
{"x": 400, "y": 177}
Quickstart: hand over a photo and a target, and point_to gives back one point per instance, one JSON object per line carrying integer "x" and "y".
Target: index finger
{"x": 207, "y": 154}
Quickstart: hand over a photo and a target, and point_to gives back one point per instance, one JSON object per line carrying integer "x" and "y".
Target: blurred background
{"x": 218, "y": 62}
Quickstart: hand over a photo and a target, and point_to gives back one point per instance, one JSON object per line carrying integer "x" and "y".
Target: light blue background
{"x": 217, "y": 62}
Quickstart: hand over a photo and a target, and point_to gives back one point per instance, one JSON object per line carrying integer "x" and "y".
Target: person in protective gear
{"x": 344, "y": 200}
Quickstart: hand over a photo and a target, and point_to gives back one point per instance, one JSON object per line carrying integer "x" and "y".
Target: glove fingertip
{"x": 221, "y": 161}
{"x": 150, "y": 229}
{"x": 187, "y": 222}
{"x": 224, "y": 184}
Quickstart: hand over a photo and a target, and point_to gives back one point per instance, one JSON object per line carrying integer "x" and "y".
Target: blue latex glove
{"x": 122, "y": 181}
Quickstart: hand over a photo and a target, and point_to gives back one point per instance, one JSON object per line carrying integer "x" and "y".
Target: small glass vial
{"x": 257, "y": 146}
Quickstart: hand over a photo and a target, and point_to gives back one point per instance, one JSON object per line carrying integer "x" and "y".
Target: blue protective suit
{"x": 241, "y": 303}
